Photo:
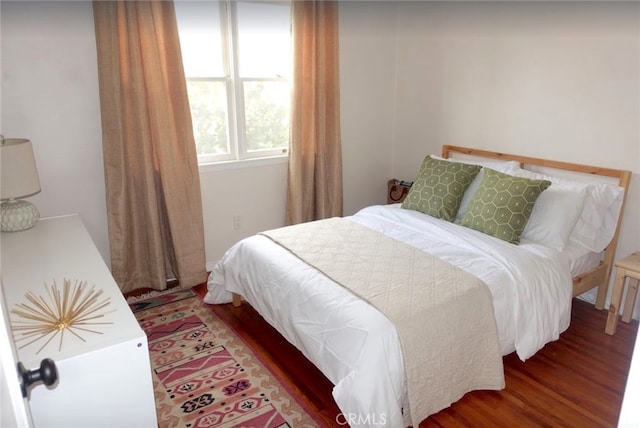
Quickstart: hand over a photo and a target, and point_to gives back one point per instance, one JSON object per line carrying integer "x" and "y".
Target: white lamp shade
{"x": 18, "y": 173}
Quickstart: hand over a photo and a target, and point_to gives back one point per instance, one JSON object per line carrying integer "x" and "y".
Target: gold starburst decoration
{"x": 73, "y": 308}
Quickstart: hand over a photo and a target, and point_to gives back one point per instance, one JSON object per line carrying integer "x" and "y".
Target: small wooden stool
{"x": 629, "y": 267}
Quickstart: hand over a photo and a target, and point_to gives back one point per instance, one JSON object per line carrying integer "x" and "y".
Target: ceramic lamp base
{"x": 17, "y": 215}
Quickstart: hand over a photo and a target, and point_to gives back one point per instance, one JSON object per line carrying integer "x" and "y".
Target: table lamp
{"x": 18, "y": 179}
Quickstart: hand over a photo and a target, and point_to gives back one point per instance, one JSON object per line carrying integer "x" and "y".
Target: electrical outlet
{"x": 237, "y": 222}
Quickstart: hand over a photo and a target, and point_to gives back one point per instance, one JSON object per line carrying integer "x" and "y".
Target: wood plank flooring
{"x": 577, "y": 381}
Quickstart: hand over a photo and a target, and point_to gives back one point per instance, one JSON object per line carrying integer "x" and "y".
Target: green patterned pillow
{"x": 439, "y": 187}
{"x": 502, "y": 205}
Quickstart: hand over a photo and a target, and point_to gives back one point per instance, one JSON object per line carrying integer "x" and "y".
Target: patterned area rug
{"x": 204, "y": 374}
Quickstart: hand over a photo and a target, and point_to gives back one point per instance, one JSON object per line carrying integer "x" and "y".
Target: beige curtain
{"x": 315, "y": 161}
{"x": 154, "y": 204}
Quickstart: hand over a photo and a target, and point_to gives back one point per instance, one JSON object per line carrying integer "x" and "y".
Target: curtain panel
{"x": 314, "y": 188}
{"x": 154, "y": 203}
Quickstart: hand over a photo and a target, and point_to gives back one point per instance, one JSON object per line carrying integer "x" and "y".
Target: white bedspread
{"x": 350, "y": 341}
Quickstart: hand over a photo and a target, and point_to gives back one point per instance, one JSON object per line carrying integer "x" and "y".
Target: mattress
{"x": 348, "y": 340}
{"x": 580, "y": 259}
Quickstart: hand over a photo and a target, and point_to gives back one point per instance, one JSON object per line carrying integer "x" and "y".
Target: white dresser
{"x": 103, "y": 381}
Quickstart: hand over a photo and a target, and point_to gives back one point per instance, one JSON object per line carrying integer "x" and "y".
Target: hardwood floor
{"x": 577, "y": 381}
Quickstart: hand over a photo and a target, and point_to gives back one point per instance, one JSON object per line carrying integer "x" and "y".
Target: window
{"x": 237, "y": 62}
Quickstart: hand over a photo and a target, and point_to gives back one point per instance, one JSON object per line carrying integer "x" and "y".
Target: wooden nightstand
{"x": 629, "y": 267}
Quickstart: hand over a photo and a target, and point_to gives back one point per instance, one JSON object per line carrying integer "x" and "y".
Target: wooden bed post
{"x": 237, "y": 300}
{"x": 609, "y": 255}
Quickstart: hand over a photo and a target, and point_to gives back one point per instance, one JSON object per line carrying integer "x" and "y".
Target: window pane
{"x": 200, "y": 38}
{"x": 266, "y": 115}
{"x": 264, "y": 38}
{"x": 208, "y": 102}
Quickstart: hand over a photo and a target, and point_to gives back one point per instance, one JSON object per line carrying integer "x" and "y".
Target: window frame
{"x": 234, "y": 85}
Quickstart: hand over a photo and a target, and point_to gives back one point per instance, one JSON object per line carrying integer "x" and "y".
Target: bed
{"x": 564, "y": 249}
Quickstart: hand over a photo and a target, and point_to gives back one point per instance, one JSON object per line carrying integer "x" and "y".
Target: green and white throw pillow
{"x": 502, "y": 205}
{"x": 439, "y": 187}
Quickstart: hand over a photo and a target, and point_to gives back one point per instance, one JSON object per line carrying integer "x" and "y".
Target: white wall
{"x": 630, "y": 413}
{"x": 548, "y": 79}
{"x": 367, "y": 79}
{"x": 256, "y": 194}
{"x": 50, "y": 96}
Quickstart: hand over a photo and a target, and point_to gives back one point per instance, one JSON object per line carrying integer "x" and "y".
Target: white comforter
{"x": 353, "y": 344}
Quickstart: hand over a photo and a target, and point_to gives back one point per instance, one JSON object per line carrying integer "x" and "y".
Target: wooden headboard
{"x": 599, "y": 276}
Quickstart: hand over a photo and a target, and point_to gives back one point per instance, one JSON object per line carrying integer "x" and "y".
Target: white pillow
{"x": 556, "y": 211}
{"x": 508, "y": 167}
{"x": 597, "y": 223}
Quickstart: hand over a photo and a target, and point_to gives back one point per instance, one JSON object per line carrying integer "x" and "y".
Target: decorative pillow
{"x": 508, "y": 167}
{"x": 502, "y": 205}
{"x": 439, "y": 187}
